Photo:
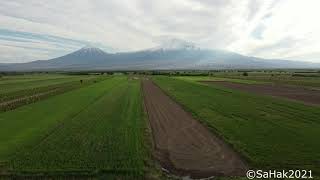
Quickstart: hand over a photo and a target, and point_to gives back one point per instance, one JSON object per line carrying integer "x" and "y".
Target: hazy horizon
{"x": 41, "y": 30}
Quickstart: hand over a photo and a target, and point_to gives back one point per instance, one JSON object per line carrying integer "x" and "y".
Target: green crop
{"x": 269, "y": 132}
{"x": 42, "y": 90}
{"x": 99, "y": 128}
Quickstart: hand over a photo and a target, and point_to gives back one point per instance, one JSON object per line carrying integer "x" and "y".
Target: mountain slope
{"x": 83, "y": 56}
{"x": 174, "y": 54}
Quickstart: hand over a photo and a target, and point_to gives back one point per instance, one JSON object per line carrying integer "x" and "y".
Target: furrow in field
{"x": 268, "y": 132}
{"x": 182, "y": 144}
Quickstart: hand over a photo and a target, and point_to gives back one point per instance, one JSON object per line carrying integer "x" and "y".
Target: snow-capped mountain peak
{"x": 175, "y": 44}
{"x": 90, "y": 50}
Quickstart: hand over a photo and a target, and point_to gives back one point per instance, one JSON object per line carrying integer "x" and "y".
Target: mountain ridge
{"x": 174, "y": 54}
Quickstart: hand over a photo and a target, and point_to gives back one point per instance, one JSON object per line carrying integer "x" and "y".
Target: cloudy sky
{"x": 43, "y": 29}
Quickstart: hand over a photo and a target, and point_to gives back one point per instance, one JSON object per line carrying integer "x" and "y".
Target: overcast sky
{"x": 43, "y": 29}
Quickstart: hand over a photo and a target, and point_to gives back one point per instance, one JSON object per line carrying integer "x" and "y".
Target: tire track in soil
{"x": 182, "y": 145}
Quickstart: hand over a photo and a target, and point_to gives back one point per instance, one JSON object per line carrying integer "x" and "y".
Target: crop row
{"x": 35, "y": 82}
{"x": 269, "y": 132}
{"x": 13, "y": 100}
{"x": 107, "y": 135}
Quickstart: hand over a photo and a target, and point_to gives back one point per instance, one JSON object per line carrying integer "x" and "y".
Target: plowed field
{"x": 183, "y": 145}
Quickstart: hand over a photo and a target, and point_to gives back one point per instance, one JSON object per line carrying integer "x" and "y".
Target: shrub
{"x": 245, "y": 74}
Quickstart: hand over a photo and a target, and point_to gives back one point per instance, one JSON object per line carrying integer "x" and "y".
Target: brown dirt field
{"x": 182, "y": 145}
{"x": 307, "y": 96}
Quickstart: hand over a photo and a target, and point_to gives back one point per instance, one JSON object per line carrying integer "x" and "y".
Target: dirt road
{"x": 306, "y": 96}
{"x": 183, "y": 145}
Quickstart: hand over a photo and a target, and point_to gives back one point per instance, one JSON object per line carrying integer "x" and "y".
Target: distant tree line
{"x": 240, "y": 72}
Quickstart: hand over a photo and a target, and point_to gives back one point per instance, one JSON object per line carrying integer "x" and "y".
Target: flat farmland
{"x": 310, "y": 79}
{"x": 210, "y": 78}
{"x": 98, "y": 128}
{"x": 268, "y": 132}
{"x": 13, "y": 84}
{"x": 19, "y": 90}
{"x": 182, "y": 145}
{"x": 301, "y": 94}
{"x": 150, "y": 127}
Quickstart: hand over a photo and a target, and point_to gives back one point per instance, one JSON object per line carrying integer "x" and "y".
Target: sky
{"x": 274, "y": 29}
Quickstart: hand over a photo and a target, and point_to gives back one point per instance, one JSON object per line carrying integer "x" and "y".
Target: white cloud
{"x": 290, "y": 31}
{"x": 269, "y": 29}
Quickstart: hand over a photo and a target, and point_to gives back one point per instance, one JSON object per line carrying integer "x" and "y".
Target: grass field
{"x": 310, "y": 79}
{"x": 21, "y": 85}
{"x": 21, "y": 90}
{"x": 269, "y": 132}
{"x": 9, "y": 85}
{"x": 210, "y": 78}
{"x": 99, "y": 127}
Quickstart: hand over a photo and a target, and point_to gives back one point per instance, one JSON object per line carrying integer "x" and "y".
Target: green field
{"x": 99, "y": 127}
{"x": 307, "y": 79}
{"x": 268, "y": 132}
{"x": 24, "y": 89}
{"x": 9, "y": 85}
{"x": 211, "y": 78}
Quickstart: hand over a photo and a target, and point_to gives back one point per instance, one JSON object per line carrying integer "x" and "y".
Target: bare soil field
{"x": 307, "y": 96}
{"x": 183, "y": 146}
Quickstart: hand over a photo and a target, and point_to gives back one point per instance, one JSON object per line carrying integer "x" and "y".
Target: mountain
{"x": 175, "y": 44}
{"x": 173, "y": 54}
